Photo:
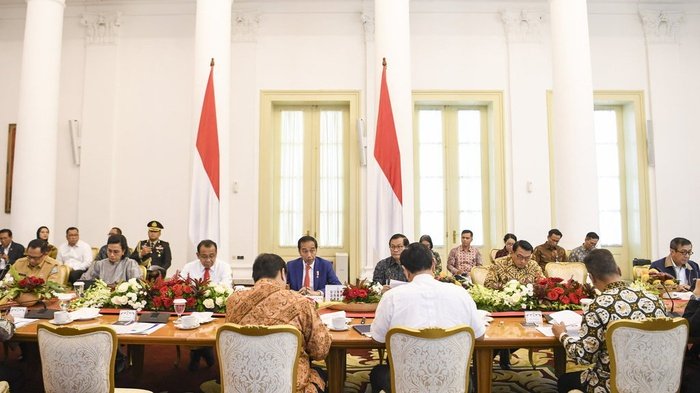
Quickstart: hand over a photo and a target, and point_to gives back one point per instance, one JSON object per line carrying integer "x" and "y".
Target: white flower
{"x": 123, "y": 287}
{"x": 207, "y": 293}
{"x": 219, "y": 289}
{"x": 131, "y": 295}
{"x": 116, "y": 301}
{"x": 208, "y": 303}
{"x": 219, "y": 301}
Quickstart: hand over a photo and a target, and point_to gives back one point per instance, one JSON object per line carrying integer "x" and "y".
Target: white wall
{"x": 455, "y": 46}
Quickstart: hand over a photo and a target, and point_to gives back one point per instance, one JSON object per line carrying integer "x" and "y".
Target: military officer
{"x": 153, "y": 253}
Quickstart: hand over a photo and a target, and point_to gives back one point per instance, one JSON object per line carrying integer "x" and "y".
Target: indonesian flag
{"x": 389, "y": 217}
{"x": 204, "y": 203}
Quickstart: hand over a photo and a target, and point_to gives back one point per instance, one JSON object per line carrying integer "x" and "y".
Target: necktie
{"x": 206, "y": 274}
{"x": 307, "y": 275}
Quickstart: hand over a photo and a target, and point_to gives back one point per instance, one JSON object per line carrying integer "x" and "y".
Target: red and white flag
{"x": 389, "y": 204}
{"x": 204, "y": 202}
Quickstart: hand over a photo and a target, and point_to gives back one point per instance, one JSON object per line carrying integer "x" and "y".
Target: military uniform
{"x": 160, "y": 257}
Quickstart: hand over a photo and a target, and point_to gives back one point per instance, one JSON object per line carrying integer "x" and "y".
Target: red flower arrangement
{"x": 30, "y": 283}
{"x": 163, "y": 292}
{"x": 362, "y": 292}
{"x": 555, "y": 293}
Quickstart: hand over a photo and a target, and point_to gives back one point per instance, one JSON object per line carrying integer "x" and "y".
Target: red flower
{"x": 167, "y": 302}
{"x": 564, "y": 299}
{"x": 157, "y": 302}
{"x": 187, "y": 289}
{"x": 558, "y": 290}
{"x": 574, "y": 298}
{"x": 542, "y": 281}
{"x": 362, "y": 293}
{"x": 191, "y": 301}
{"x": 177, "y": 290}
{"x": 555, "y": 280}
{"x": 552, "y": 295}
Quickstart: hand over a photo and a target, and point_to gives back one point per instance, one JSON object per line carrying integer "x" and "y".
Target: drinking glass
{"x": 179, "y": 305}
{"x": 63, "y": 299}
{"x": 78, "y": 288}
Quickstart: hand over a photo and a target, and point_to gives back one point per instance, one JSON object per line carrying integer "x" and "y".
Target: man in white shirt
{"x": 208, "y": 266}
{"x": 219, "y": 273}
{"x": 75, "y": 254}
{"x": 423, "y": 302}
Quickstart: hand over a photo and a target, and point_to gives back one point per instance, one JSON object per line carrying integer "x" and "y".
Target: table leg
{"x": 484, "y": 363}
{"x": 136, "y": 354}
{"x": 335, "y": 363}
{"x": 559, "y": 361}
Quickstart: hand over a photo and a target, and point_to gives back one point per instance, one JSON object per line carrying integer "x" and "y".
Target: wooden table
{"x": 502, "y": 333}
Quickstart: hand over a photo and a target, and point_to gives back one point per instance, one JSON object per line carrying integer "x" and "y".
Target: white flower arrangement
{"x": 98, "y": 295}
{"x": 214, "y": 298}
{"x": 129, "y": 294}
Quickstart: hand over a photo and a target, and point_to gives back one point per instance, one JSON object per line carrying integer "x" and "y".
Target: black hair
{"x": 305, "y": 239}
{"x": 42, "y": 245}
{"x": 554, "y": 232}
{"x": 428, "y": 239}
{"x": 524, "y": 244}
{"x": 416, "y": 257}
{"x": 509, "y": 236}
{"x": 600, "y": 264}
{"x": 400, "y": 236}
{"x": 206, "y": 243}
{"x": 119, "y": 239}
{"x": 268, "y": 266}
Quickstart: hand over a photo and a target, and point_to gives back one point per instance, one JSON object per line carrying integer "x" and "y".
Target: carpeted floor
{"x": 162, "y": 375}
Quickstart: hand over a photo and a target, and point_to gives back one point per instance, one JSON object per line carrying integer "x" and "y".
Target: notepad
{"x": 363, "y": 329}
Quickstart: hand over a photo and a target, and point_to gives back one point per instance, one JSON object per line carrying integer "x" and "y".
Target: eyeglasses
{"x": 401, "y": 247}
{"x": 685, "y": 253}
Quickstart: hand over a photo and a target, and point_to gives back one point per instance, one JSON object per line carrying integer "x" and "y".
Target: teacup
{"x": 339, "y": 323}
{"x": 203, "y": 316}
{"x": 61, "y": 317}
{"x": 189, "y": 321}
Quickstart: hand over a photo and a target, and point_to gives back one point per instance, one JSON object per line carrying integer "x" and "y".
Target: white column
{"x": 99, "y": 157}
{"x": 34, "y": 181}
{"x": 662, "y": 31}
{"x": 529, "y": 207}
{"x": 573, "y": 137}
{"x": 392, "y": 41}
{"x": 213, "y": 40}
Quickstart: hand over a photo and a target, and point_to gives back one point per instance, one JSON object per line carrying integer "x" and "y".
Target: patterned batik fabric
{"x": 616, "y": 302}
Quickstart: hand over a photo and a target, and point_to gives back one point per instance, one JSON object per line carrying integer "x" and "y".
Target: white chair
{"x": 258, "y": 358}
{"x": 79, "y": 360}
{"x": 478, "y": 274}
{"x": 646, "y": 356}
{"x": 444, "y": 355}
{"x": 567, "y": 270}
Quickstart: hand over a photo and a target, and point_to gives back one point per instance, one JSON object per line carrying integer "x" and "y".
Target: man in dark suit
{"x": 691, "y": 365}
{"x": 310, "y": 274}
{"x": 153, "y": 253}
{"x": 678, "y": 263}
{"x": 9, "y": 250}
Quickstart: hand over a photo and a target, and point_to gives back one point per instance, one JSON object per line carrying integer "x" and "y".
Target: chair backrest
{"x": 144, "y": 272}
{"x": 567, "y": 270}
{"x": 77, "y": 360}
{"x": 478, "y": 274}
{"x": 63, "y": 274}
{"x": 252, "y": 358}
{"x": 493, "y": 254}
{"x": 95, "y": 251}
{"x": 430, "y": 360}
{"x": 646, "y": 356}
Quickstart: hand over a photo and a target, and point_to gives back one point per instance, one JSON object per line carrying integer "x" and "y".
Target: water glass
{"x": 179, "y": 305}
{"x": 78, "y": 288}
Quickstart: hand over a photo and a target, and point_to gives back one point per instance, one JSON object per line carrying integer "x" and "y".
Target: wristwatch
{"x": 693, "y": 297}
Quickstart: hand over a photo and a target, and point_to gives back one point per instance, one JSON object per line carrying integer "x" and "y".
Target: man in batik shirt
{"x": 269, "y": 303}
{"x": 616, "y": 301}
{"x": 549, "y": 251}
{"x": 464, "y": 257}
{"x": 518, "y": 266}
{"x": 580, "y": 253}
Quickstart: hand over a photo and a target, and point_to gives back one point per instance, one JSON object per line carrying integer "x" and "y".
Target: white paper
{"x": 396, "y": 283}
{"x": 679, "y": 295}
{"x": 567, "y": 317}
{"x": 85, "y": 313}
{"x": 547, "y": 331}
{"x": 19, "y": 322}
{"x": 334, "y": 293}
{"x": 127, "y": 315}
{"x": 137, "y": 328}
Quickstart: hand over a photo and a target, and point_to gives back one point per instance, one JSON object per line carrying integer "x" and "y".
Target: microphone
{"x": 670, "y": 313}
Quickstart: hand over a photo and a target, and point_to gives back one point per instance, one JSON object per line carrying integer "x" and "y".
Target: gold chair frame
{"x": 653, "y": 324}
{"x": 257, "y": 331}
{"x": 429, "y": 333}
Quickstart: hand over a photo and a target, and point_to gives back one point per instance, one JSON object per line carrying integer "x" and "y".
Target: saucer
{"x": 203, "y": 321}
{"x": 85, "y": 317}
{"x": 61, "y": 323}
{"x": 339, "y": 330}
{"x": 179, "y": 326}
